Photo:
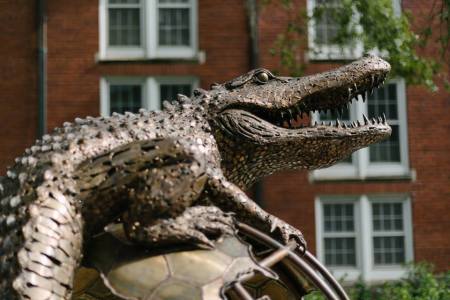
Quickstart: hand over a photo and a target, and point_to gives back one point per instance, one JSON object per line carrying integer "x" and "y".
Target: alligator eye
{"x": 262, "y": 77}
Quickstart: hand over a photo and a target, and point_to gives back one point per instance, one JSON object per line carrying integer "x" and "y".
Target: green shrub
{"x": 420, "y": 284}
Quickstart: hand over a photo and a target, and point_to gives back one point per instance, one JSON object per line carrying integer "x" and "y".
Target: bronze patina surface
{"x": 165, "y": 173}
{"x": 184, "y": 274}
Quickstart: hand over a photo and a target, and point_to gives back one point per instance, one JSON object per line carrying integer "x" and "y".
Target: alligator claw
{"x": 285, "y": 232}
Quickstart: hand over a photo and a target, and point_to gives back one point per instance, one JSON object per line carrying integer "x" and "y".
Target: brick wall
{"x": 74, "y": 74}
{"x": 18, "y": 76}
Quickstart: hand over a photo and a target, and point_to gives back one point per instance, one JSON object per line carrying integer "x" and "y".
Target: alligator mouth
{"x": 334, "y": 99}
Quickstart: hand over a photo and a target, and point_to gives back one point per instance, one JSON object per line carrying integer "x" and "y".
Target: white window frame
{"x": 149, "y": 48}
{"x": 361, "y": 168}
{"x": 350, "y": 273}
{"x": 150, "y": 89}
{"x": 333, "y": 51}
{"x": 365, "y": 268}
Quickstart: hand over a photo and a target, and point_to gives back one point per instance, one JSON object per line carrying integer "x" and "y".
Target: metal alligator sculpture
{"x": 165, "y": 174}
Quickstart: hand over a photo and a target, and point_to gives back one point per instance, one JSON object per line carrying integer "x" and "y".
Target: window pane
{"x": 125, "y": 98}
{"x": 387, "y": 150}
{"x": 325, "y": 24}
{"x": 387, "y": 216}
{"x": 384, "y": 100}
{"x": 124, "y": 26}
{"x": 338, "y": 217}
{"x": 169, "y": 91}
{"x": 174, "y": 27}
{"x": 389, "y": 250}
{"x": 340, "y": 252}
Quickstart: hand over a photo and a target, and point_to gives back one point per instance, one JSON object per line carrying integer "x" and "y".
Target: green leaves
{"x": 420, "y": 284}
{"x": 376, "y": 26}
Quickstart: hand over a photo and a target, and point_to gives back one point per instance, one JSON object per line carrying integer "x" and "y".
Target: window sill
{"x": 410, "y": 176}
{"x": 374, "y": 276}
{"x": 198, "y": 58}
{"x": 333, "y": 53}
{"x": 324, "y": 57}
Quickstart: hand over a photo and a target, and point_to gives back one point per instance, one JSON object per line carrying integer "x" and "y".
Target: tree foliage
{"x": 420, "y": 284}
{"x": 375, "y": 25}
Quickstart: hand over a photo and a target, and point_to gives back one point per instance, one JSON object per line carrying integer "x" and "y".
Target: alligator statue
{"x": 168, "y": 175}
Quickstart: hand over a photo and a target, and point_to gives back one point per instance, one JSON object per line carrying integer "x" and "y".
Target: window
{"x": 388, "y": 234}
{"x": 125, "y": 97}
{"x": 367, "y": 236}
{"x": 323, "y": 30}
{"x": 138, "y": 29}
{"x": 122, "y": 94}
{"x": 386, "y": 159}
{"x": 339, "y": 234}
{"x": 124, "y": 26}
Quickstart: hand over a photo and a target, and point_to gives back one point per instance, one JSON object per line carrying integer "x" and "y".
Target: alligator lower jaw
{"x": 251, "y": 123}
{"x": 247, "y": 126}
{"x": 288, "y": 120}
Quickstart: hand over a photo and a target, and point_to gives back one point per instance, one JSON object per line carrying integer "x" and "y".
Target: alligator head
{"x": 254, "y": 119}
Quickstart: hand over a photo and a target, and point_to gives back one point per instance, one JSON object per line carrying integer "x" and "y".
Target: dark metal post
{"x": 254, "y": 61}
{"x": 253, "y": 26}
{"x": 42, "y": 67}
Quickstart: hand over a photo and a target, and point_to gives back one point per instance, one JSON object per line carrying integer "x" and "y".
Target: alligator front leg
{"x": 197, "y": 225}
{"x": 229, "y": 197}
{"x": 168, "y": 177}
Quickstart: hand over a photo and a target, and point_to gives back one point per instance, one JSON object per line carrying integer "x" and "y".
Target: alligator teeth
{"x": 384, "y": 118}
{"x": 289, "y": 121}
{"x": 344, "y": 125}
{"x": 374, "y": 121}
{"x": 358, "y": 123}
{"x": 338, "y": 124}
{"x": 376, "y": 79}
{"x": 291, "y": 114}
{"x": 366, "y": 121}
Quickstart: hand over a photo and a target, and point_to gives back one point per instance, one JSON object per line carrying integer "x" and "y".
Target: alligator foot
{"x": 284, "y": 232}
{"x": 199, "y": 225}
{"x": 229, "y": 197}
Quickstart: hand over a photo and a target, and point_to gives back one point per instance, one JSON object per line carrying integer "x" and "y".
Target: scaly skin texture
{"x": 154, "y": 169}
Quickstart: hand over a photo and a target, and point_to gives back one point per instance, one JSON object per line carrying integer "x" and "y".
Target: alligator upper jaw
{"x": 284, "y": 100}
